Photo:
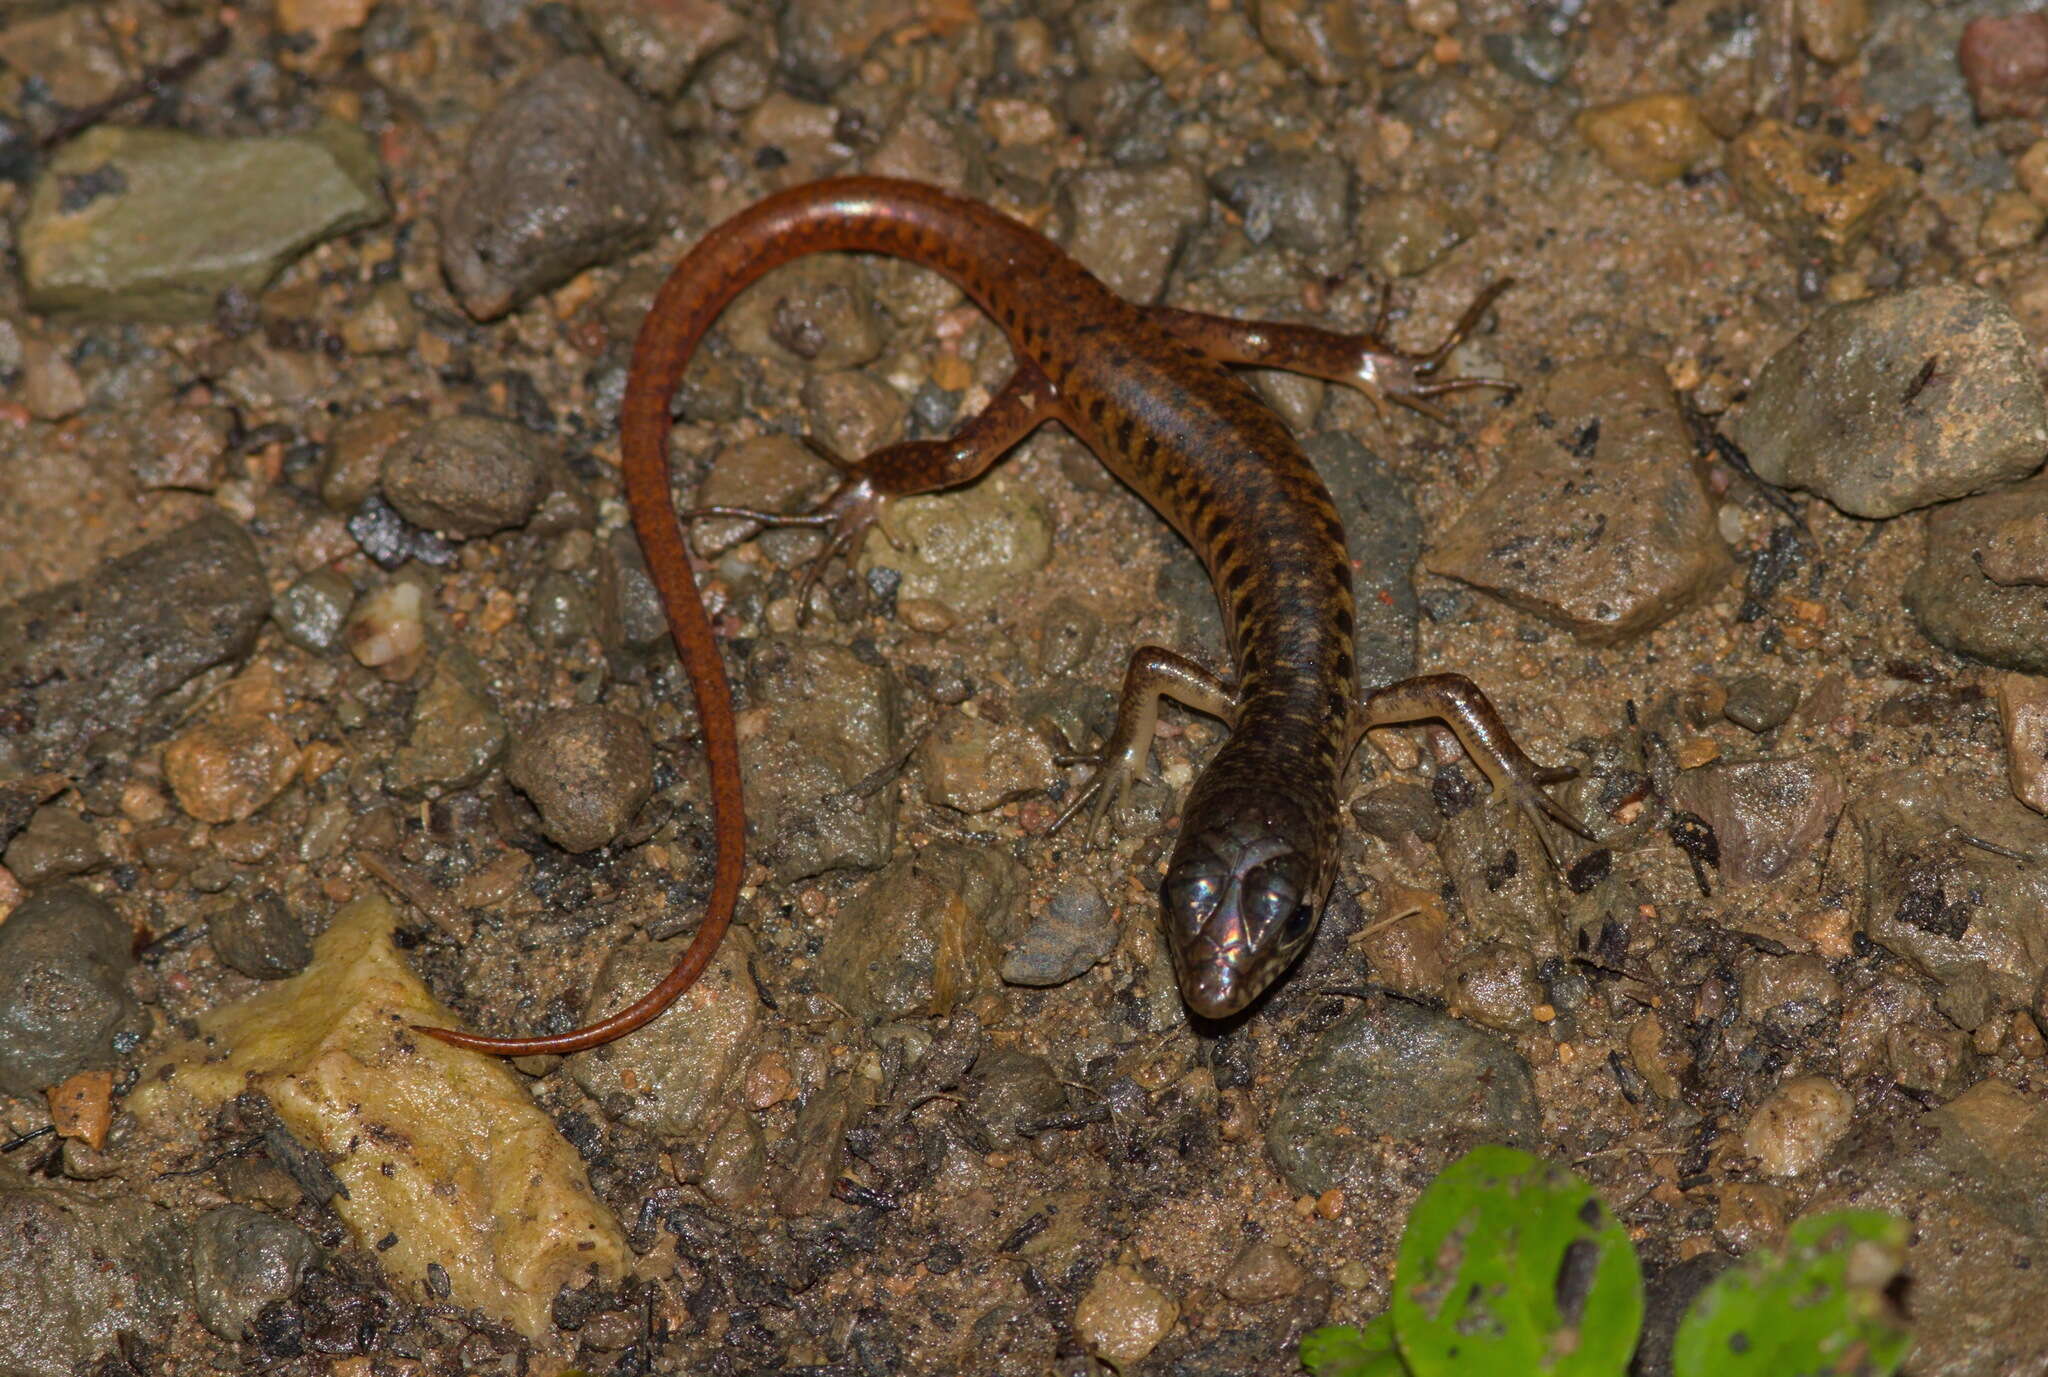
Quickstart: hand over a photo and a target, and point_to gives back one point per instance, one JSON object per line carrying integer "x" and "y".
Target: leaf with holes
{"x": 1511, "y": 1265}
{"x": 1819, "y": 1309}
{"x": 1340, "y": 1350}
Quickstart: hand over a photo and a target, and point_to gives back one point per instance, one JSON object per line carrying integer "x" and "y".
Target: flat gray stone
{"x": 154, "y": 224}
{"x": 1898, "y": 402}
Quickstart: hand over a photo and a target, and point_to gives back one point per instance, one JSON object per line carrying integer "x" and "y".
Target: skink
{"x": 1148, "y": 390}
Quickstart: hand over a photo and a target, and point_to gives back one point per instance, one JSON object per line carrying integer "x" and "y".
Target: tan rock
{"x": 1816, "y": 194}
{"x": 439, "y": 1148}
{"x": 1124, "y": 1316}
{"x": 1653, "y": 139}
{"x": 2023, "y": 713}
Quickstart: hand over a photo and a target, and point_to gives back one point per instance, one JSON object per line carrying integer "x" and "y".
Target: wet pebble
{"x": 1012, "y": 1090}
{"x": 1899, "y": 401}
{"x": 1321, "y": 40}
{"x": 1533, "y": 54}
{"x": 456, "y": 732}
{"x": 465, "y": 475}
{"x": 386, "y": 629}
{"x": 226, "y": 770}
{"x": 155, "y": 224}
{"x": 1766, "y": 814}
{"x": 1295, "y": 199}
{"x": 1760, "y": 702}
{"x": 260, "y": 936}
{"x": 658, "y": 46}
{"x": 2012, "y": 220}
{"x": 818, "y": 311}
{"x": 1433, "y": 1083}
{"x": 1973, "y": 921}
{"x": 56, "y": 844}
{"x": 1597, "y": 521}
{"x": 105, "y": 648}
{"x": 1260, "y": 1274}
{"x": 312, "y": 610}
{"x": 569, "y": 170}
{"x": 1798, "y": 1125}
{"x": 853, "y": 413}
{"x": 560, "y": 612}
{"x": 680, "y": 1074}
{"x": 2004, "y": 60}
{"x": 589, "y": 770}
{"x": 808, "y": 759}
{"x": 1495, "y": 986}
{"x": 1402, "y": 234}
{"x": 1067, "y": 635}
{"x": 970, "y": 549}
{"x": 1958, "y": 605}
{"x": 50, "y": 387}
{"x": 1819, "y": 196}
{"x": 2023, "y": 713}
{"x": 242, "y": 1260}
{"x": 1651, "y": 139}
{"x": 1127, "y": 224}
{"x": 924, "y": 935}
{"x": 354, "y": 459}
{"x": 1124, "y": 1315}
{"x": 181, "y": 446}
{"x": 95, "y": 1265}
{"x": 1396, "y": 812}
{"x": 1791, "y": 996}
{"x": 1070, "y": 936}
{"x": 64, "y": 1000}
{"x": 976, "y": 766}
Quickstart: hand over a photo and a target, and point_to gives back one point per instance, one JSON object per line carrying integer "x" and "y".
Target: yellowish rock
{"x": 1124, "y": 1316}
{"x": 1651, "y": 139}
{"x": 440, "y": 1148}
{"x": 1818, "y": 195}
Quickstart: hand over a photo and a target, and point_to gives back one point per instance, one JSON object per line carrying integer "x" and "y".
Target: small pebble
{"x": 56, "y": 844}
{"x": 2012, "y": 220}
{"x": 81, "y": 1107}
{"x": 2004, "y": 61}
{"x": 975, "y": 766}
{"x": 1071, "y": 936}
{"x": 1260, "y": 1274}
{"x": 1760, "y": 701}
{"x": 261, "y": 937}
{"x": 313, "y": 609}
{"x": 1650, "y": 139}
{"x": 1898, "y": 402}
{"x": 386, "y": 630}
{"x": 1124, "y": 1315}
{"x": 2023, "y": 713}
{"x": 588, "y": 770}
{"x": 1798, "y": 1125}
{"x": 64, "y": 1001}
{"x": 226, "y": 770}
{"x": 465, "y": 475}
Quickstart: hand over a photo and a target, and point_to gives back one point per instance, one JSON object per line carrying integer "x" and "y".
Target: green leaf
{"x": 1817, "y": 1310}
{"x": 1512, "y": 1265}
{"x": 1340, "y": 1350}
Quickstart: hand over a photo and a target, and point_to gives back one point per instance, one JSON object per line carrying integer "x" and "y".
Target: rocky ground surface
{"x": 334, "y": 695}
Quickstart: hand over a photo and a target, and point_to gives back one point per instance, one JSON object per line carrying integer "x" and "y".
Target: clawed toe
{"x": 1543, "y": 811}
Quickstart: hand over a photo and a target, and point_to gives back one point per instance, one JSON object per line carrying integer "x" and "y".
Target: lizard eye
{"x": 1274, "y": 903}
{"x": 1268, "y": 895}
